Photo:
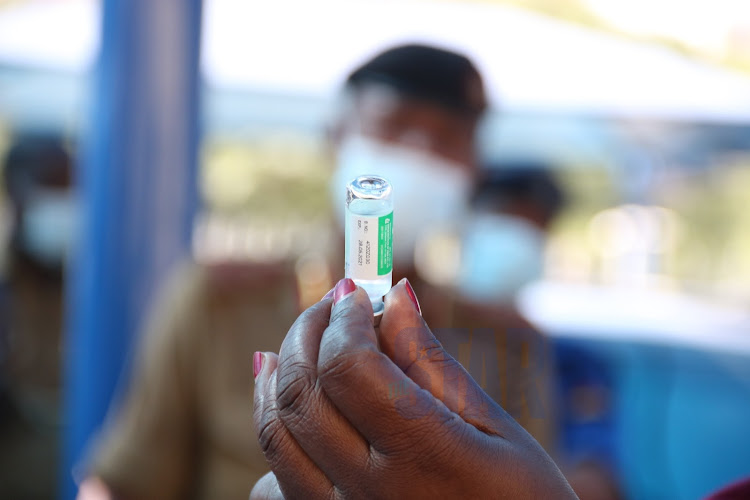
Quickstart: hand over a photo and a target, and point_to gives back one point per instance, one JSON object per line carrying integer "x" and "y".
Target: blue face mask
{"x": 499, "y": 255}
{"x": 48, "y": 226}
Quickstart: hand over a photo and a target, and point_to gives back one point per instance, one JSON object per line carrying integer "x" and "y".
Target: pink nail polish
{"x": 412, "y": 296}
{"x": 342, "y": 289}
{"x": 257, "y": 363}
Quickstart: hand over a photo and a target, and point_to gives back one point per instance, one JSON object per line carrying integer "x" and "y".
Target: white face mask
{"x": 428, "y": 191}
{"x": 48, "y": 226}
{"x": 499, "y": 255}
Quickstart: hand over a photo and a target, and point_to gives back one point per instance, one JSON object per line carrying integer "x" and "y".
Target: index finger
{"x": 407, "y": 340}
{"x": 322, "y": 432}
{"x": 372, "y": 393}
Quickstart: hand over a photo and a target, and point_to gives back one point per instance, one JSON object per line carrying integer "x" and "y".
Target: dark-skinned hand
{"x": 350, "y": 411}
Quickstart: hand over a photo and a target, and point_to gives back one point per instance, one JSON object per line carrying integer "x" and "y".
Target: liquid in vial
{"x": 369, "y": 236}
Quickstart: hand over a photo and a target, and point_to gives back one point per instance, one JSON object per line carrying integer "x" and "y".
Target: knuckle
{"x": 359, "y": 310}
{"x": 429, "y": 352}
{"x": 453, "y": 377}
{"x": 345, "y": 337}
{"x": 294, "y": 393}
{"x": 270, "y": 437}
{"x": 342, "y": 364}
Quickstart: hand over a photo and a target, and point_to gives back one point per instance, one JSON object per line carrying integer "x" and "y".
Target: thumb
{"x": 406, "y": 339}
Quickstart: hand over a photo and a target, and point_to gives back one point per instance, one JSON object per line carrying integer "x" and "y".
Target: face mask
{"x": 48, "y": 226}
{"x": 499, "y": 255}
{"x": 428, "y": 192}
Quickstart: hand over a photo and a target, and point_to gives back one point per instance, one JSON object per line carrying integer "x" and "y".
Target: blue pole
{"x": 137, "y": 182}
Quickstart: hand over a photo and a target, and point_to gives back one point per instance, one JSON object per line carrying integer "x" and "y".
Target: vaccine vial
{"x": 369, "y": 237}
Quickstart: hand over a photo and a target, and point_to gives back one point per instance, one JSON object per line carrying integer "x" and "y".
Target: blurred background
{"x": 640, "y": 110}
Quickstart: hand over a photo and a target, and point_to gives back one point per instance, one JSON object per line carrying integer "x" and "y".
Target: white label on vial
{"x": 369, "y": 246}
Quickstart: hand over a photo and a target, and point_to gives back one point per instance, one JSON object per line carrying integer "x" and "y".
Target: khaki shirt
{"x": 186, "y": 429}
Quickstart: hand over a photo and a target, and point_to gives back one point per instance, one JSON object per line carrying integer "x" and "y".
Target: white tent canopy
{"x": 306, "y": 47}
{"x": 529, "y": 61}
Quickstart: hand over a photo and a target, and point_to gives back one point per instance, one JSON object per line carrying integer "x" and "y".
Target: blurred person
{"x": 41, "y": 204}
{"x": 409, "y": 114}
{"x": 514, "y": 206}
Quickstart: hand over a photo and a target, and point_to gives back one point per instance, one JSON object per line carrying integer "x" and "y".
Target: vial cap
{"x": 368, "y": 187}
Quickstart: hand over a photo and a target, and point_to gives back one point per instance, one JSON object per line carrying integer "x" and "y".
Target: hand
{"x": 346, "y": 411}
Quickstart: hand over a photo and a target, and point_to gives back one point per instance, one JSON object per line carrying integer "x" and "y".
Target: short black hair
{"x": 522, "y": 181}
{"x": 428, "y": 73}
{"x": 35, "y": 159}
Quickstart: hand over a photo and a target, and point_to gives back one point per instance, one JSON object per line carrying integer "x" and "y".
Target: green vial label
{"x": 385, "y": 244}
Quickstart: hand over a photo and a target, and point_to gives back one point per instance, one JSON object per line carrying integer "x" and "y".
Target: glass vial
{"x": 369, "y": 236}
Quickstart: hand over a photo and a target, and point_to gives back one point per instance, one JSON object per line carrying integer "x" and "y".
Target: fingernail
{"x": 412, "y": 295}
{"x": 342, "y": 289}
{"x": 329, "y": 294}
{"x": 257, "y": 363}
